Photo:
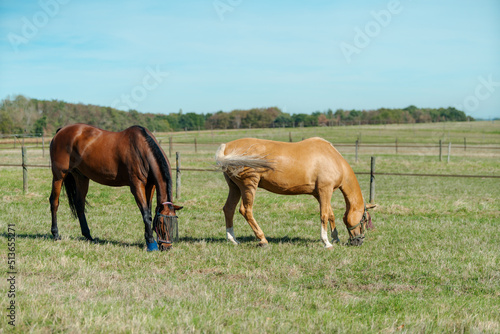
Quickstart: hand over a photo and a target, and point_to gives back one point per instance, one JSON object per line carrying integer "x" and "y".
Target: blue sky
{"x": 205, "y": 56}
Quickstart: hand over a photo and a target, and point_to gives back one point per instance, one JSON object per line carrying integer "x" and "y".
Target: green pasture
{"x": 485, "y": 132}
{"x": 431, "y": 265}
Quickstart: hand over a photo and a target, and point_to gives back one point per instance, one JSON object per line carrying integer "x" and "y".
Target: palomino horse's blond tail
{"x": 234, "y": 162}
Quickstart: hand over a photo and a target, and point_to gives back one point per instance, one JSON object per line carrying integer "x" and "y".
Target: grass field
{"x": 431, "y": 265}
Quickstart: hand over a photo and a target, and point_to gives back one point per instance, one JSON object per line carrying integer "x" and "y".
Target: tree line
{"x": 19, "y": 114}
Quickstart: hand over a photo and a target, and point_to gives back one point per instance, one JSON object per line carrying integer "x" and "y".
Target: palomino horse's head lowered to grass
{"x": 165, "y": 225}
{"x": 357, "y": 232}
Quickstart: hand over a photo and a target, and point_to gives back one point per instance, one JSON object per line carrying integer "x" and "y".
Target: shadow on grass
{"x": 251, "y": 239}
{"x": 242, "y": 239}
{"x": 99, "y": 241}
{"x": 96, "y": 240}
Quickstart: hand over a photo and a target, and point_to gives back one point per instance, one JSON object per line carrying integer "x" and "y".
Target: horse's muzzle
{"x": 167, "y": 231}
{"x": 164, "y": 246}
{"x": 356, "y": 241}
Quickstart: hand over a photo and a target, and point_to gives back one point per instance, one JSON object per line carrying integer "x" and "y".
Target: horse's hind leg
{"x": 232, "y": 201}
{"x": 54, "y": 205}
{"x": 82, "y": 186}
{"x": 246, "y": 209}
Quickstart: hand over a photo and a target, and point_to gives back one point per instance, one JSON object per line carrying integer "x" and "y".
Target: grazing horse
{"x": 132, "y": 157}
{"x": 312, "y": 166}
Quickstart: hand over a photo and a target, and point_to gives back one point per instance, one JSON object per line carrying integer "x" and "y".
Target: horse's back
{"x": 309, "y": 151}
{"x": 98, "y": 154}
{"x": 84, "y": 136}
{"x": 296, "y": 167}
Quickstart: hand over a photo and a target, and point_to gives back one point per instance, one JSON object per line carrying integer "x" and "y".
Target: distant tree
{"x": 283, "y": 120}
{"x": 39, "y": 126}
{"x": 411, "y": 109}
{"x": 323, "y": 120}
{"x": 219, "y": 120}
{"x": 19, "y": 113}
{"x": 6, "y": 123}
{"x": 339, "y": 116}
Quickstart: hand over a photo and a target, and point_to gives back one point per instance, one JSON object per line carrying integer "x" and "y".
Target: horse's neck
{"x": 161, "y": 183}
{"x": 352, "y": 194}
{"x": 162, "y": 194}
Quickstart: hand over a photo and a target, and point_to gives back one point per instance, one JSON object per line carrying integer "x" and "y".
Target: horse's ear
{"x": 177, "y": 208}
{"x": 370, "y": 206}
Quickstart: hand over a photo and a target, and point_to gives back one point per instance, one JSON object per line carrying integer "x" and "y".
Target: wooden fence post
{"x": 449, "y": 151}
{"x": 372, "y": 180}
{"x": 25, "y": 171}
{"x": 290, "y": 136}
{"x": 177, "y": 175}
{"x": 465, "y": 144}
{"x": 440, "y": 150}
{"x": 195, "y": 146}
{"x": 396, "y": 145}
{"x": 43, "y": 144}
{"x": 357, "y": 145}
{"x": 170, "y": 146}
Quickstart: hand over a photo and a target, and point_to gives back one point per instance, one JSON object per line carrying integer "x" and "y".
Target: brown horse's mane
{"x": 160, "y": 159}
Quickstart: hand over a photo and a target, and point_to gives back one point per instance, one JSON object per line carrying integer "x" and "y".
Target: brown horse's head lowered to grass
{"x": 312, "y": 166}
{"x": 132, "y": 157}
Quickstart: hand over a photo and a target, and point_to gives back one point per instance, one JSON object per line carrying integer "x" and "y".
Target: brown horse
{"x": 312, "y": 166}
{"x": 132, "y": 157}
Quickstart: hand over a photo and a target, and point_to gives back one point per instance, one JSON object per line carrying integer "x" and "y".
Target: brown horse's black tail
{"x": 75, "y": 202}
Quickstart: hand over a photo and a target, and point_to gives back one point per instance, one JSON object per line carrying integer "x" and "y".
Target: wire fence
{"x": 190, "y": 169}
{"x": 194, "y": 145}
{"x": 179, "y": 170}
{"x": 190, "y": 146}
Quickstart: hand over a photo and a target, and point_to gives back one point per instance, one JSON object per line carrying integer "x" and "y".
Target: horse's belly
{"x": 107, "y": 177}
{"x": 285, "y": 188}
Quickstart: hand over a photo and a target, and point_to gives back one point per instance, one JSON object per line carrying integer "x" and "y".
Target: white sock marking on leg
{"x": 230, "y": 236}
{"x": 324, "y": 238}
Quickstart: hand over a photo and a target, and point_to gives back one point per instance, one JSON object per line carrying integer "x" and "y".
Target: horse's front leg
{"x": 139, "y": 192}
{"x": 333, "y": 228}
{"x": 324, "y": 197}
{"x": 148, "y": 231}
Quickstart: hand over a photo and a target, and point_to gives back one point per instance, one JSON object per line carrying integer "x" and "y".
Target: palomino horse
{"x": 133, "y": 158}
{"x": 312, "y": 166}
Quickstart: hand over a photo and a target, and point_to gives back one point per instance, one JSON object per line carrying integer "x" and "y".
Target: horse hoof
{"x": 262, "y": 245}
{"x": 89, "y": 238}
{"x": 152, "y": 247}
{"x": 329, "y": 247}
{"x": 57, "y": 237}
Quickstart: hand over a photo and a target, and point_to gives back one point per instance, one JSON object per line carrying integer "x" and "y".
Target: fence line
{"x": 179, "y": 170}
{"x": 188, "y": 169}
{"x": 38, "y": 140}
{"x": 375, "y": 145}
